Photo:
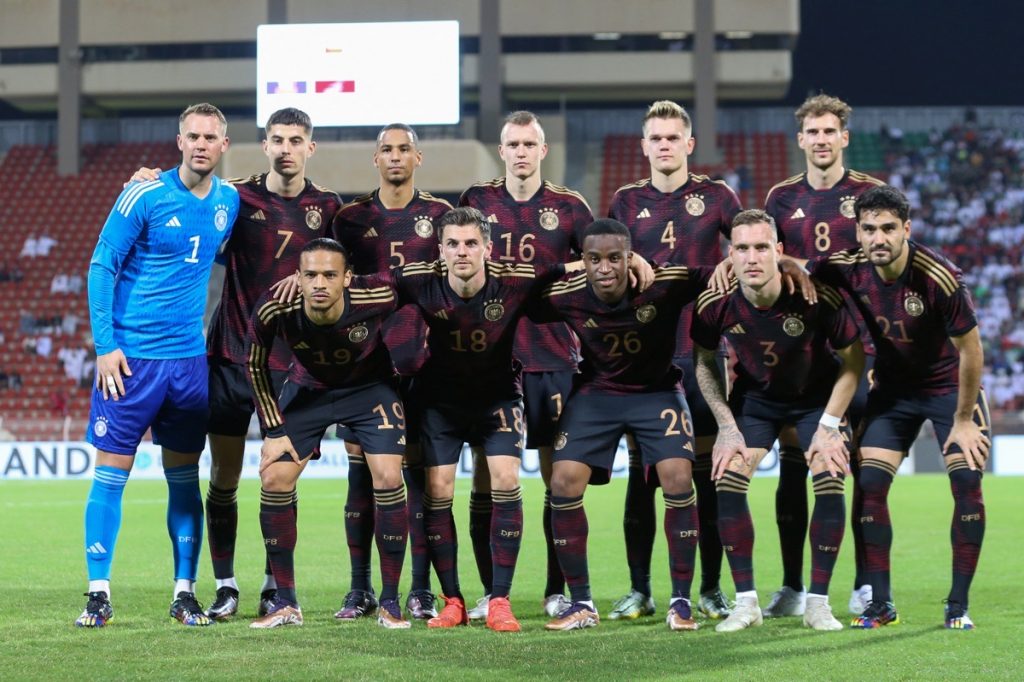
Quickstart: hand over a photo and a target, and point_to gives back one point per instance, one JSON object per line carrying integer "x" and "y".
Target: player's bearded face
{"x": 666, "y": 144}
{"x": 823, "y": 140}
{"x": 202, "y": 141}
{"x": 754, "y": 251}
{"x": 396, "y": 157}
{"x": 522, "y": 149}
{"x": 288, "y": 147}
{"x": 606, "y": 259}
{"x": 882, "y": 236}
{"x": 464, "y": 250}
{"x": 323, "y": 277}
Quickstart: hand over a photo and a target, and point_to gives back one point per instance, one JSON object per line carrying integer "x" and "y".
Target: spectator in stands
{"x": 75, "y": 284}
{"x": 44, "y": 345}
{"x": 44, "y": 244}
{"x": 59, "y": 284}
{"x": 30, "y": 249}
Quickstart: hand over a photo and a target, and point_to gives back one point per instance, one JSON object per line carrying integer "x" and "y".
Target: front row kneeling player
{"x": 341, "y": 373}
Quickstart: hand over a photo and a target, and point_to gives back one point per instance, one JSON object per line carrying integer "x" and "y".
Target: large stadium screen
{"x": 365, "y": 74}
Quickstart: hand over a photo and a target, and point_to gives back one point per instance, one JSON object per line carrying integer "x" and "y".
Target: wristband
{"x": 828, "y": 421}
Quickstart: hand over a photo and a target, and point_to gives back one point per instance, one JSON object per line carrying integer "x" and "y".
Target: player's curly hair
{"x": 883, "y": 198}
{"x": 821, "y": 104}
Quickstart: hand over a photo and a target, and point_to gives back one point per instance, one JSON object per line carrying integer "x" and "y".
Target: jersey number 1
{"x": 195, "y": 250}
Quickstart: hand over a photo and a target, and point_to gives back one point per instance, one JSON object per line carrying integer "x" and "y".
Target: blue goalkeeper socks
{"x": 103, "y": 519}
{"x": 185, "y": 519}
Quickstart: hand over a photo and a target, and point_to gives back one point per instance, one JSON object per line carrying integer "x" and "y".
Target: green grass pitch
{"x": 43, "y": 573}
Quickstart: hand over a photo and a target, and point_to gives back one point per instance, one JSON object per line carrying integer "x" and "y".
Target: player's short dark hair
{"x": 822, "y": 104}
{"x": 290, "y": 116}
{"x": 326, "y": 244}
{"x": 754, "y": 216}
{"x": 883, "y": 198}
{"x": 203, "y": 109}
{"x": 399, "y": 126}
{"x": 665, "y": 108}
{"x": 608, "y": 226}
{"x": 464, "y": 215}
{"x": 523, "y": 118}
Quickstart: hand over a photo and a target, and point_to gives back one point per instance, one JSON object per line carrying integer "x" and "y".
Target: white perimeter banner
{"x": 74, "y": 460}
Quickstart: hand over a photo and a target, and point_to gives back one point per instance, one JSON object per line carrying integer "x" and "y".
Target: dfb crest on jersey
{"x": 220, "y": 217}
{"x": 549, "y": 218}
{"x": 913, "y": 305}
{"x": 99, "y": 427}
{"x": 424, "y": 227}
{"x": 358, "y": 333}
{"x": 493, "y": 311}
{"x": 793, "y": 326}
{"x": 846, "y": 206}
{"x": 695, "y": 205}
{"x": 313, "y": 218}
{"x": 646, "y": 313}
{"x": 560, "y": 440}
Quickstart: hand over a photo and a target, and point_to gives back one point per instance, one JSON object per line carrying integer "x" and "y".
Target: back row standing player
{"x": 533, "y": 221}
{"x": 679, "y": 217}
{"x": 814, "y": 214}
{"x": 394, "y": 225}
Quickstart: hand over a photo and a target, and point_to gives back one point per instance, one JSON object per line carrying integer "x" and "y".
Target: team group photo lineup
{"x": 703, "y": 334}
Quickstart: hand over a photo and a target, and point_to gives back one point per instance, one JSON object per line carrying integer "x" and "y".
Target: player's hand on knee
{"x": 144, "y": 175}
{"x": 110, "y": 368}
{"x": 287, "y": 290}
{"x": 719, "y": 281}
{"x": 828, "y": 447}
{"x": 274, "y": 448}
{"x": 729, "y": 444}
{"x": 972, "y": 441}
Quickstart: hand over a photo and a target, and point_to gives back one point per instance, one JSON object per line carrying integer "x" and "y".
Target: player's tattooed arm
{"x": 967, "y": 433}
{"x": 729, "y": 444}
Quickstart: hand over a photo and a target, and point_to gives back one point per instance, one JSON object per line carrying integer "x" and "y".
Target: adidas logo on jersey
{"x": 646, "y": 213}
{"x": 258, "y": 215}
{"x": 441, "y": 314}
{"x": 301, "y": 345}
{"x": 95, "y": 548}
{"x": 493, "y": 218}
{"x": 173, "y": 222}
{"x": 401, "y": 440}
{"x": 737, "y": 329}
{"x": 590, "y": 324}
{"x": 370, "y": 234}
{"x": 799, "y": 214}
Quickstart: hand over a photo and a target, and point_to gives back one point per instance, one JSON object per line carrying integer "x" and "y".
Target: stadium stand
{"x": 43, "y": 395}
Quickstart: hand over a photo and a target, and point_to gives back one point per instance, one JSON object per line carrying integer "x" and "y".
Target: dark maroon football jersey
{"x": 782, "y": 352}
{"x": 816, "y": 222}
{"x": 264, "y": 247}
{"x": 685, "y": 226}
{"x": 378, "y": 238}
{"x": 910, "y": 319}
{"x": 471, "y": 341}
{"x": 628, "y": 347}
{"x": 545, "y": 229}
{"x": 350, "y": 352}
{"x": 813, "y": 222}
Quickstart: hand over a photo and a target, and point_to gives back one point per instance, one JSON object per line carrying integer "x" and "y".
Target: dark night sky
{"x": 907, "y": 53}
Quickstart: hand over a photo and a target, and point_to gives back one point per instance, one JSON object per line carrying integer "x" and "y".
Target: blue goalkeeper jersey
{"x": 149, "y": 273}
